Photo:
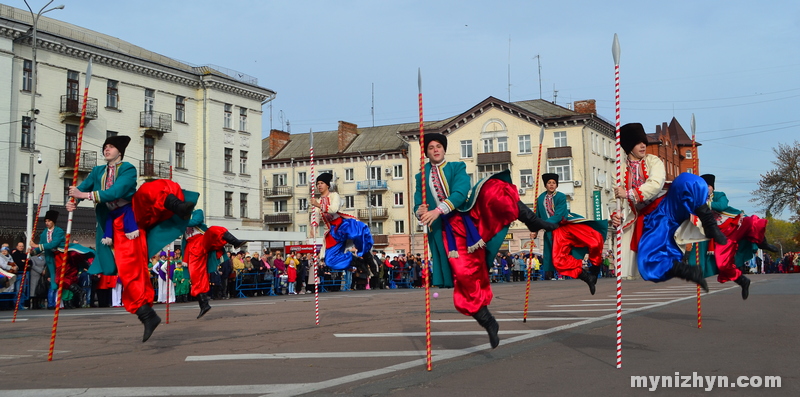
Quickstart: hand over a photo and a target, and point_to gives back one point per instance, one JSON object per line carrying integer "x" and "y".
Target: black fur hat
{"x": 709, "y": 178}
{"x": 118, "y": 141}
{"x": 547, "y": 177}
{"x": 326, "y": 177}
{"x": 433, "y": 136}
{"x": 52, "y": 215}
{"x": 630, "y": 135}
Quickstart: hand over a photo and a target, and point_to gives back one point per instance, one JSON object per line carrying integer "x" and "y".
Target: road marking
{"x": 284, "y": 356}
{"x": 435, "y": 333}
{"x": 513, "y": 319}
{"x": 599, "y": 304}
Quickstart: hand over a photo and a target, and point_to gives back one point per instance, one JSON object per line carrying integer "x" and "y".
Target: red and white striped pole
{"x": 615, "y": 53}
{"x": 69, "y": 219}
{"x": 426, "y": 268}
{"x": 696, "y": 245}
{"x": 535, "y": 199}
{"x": 314, "y": 227}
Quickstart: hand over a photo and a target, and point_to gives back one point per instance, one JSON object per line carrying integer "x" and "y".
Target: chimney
{"x": 277, "y": 140}
{"x": 586, "y": 106}
{"x": 347, "y": 133}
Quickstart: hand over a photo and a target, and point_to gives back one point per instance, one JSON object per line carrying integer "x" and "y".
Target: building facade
{"x": 199, "y": 125}
{"x": 374, "y": 167}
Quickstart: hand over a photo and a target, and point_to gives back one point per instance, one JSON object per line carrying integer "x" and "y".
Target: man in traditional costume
{"x": 204, "y": 250}
{"x": 651, "y": 219}
{"x": 466, "y": 230}
{"x": 343, "y": 230}
{"x": 565, "y": 247}
{"x": 51, "y": 241}
{"x": 160, "y": 210}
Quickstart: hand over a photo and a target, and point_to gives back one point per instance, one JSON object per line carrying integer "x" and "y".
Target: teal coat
{"x": 49, "y": 250}
{"x": 124, "y": 187}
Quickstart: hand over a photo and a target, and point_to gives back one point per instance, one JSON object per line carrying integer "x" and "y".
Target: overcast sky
{"x": 734, "y": 64}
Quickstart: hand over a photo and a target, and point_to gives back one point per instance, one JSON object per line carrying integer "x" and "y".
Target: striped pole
{"x": 71, "y": 213}
{"x": 426, "y": 268}
{"x": 618, "y": 259}
{"x": 696, "y": 245}
{"x": 535, "y": 198}
{"x": 314, "y": 227}
{"x": 28, "y": 260}
{"x": 169, "y": 279}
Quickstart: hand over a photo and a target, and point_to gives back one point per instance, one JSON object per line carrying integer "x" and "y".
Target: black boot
{"x": 181, "y": 208}
{"x": 486, "y": 320}
{"x": 533, "y": 222}
{"x": 689, "y": 273}
{"x": 744, "y": 282}
{"x": 232, "y": 240}
{"x": 764, "y": 245}
{"x": 150, "y": 319}
{"x": 589, "y": 278}
{"x": 710, "y": 227}
{"x": 204, "y": 305}
{"x": 78, "y": 292}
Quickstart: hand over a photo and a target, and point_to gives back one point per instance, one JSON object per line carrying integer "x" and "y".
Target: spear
{"x": 615, "y": 53}
{"x": 535, "y": 198}
{"x": 28, "y": 260}
{"x": 71, "y": 213}
{"x": 314, "y": 227}
{"x": 427, "y": 262}
{"x": 696, "y": 245}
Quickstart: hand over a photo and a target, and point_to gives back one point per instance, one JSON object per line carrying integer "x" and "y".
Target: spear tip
{"x": 419, "y": 79}
{"x": 615, "y": 49}
{"x": 693, "y": 124}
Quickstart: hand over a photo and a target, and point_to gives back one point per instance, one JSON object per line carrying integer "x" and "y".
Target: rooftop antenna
{"x": 373, "y": 104}
{"x": 555, "y": 94}
{"x": 539, "y": 62}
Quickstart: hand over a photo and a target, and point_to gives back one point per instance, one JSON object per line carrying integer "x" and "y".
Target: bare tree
{"x": 779, "y": 188}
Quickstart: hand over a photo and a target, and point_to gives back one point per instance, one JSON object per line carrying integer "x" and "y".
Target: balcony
{"x": 66, "y": 160}
{"x": 372, "y": 185}
{"x": 377, "y": 213}
{"x": 71, "y": 107}
{"x": 494, "y": 158}
{"x": 278, "y": 219}
{"x": 278, "y": 192}
{"x": 154, "y": 169}
{"x": 380, "y": 240}
{"x": 559, "y": 152}
{"x": 155, "y": 121}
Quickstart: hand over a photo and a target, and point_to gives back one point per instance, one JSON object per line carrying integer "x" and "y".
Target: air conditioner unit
{"x": 576, "y": 183}
{"x": 521, "y": 190}
{"x": 387, "y": 171}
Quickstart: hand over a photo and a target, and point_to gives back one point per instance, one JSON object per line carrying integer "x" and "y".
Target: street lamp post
{"x": 32, "y": 140}
{"x": 369, "y": 160}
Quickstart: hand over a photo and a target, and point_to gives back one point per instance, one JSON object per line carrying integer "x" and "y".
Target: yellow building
{"x": 374, "y": 167}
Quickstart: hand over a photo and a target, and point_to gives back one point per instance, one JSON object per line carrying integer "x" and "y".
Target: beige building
{"x": 491, "y": 136}
{"x": 200, "y": 125}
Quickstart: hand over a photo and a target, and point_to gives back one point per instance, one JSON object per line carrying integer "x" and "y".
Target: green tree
{"x": 779, "y": 189}
{"x": 783, "y": 234}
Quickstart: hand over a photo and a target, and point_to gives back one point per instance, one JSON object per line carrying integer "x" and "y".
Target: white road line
{"x": 515, "y": 319}
{"x": 11, "y": 319}
{"x": 600, "y": 304}
{"x": 435, "y": 333}
{"x": 283, "y": 356}
{"x": 637, "y": 298}
{"x": 555, "y": 311}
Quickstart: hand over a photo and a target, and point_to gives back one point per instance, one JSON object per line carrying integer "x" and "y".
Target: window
{"x": 349, "y": 175}
{"x": 524, "y": 144}
{"x": 399, "y": 227}
{"x": 112, "y": 94}
{"x": 70, "y": 143}
{"x": 560, "y": 139}
{"x": 349, "y": 202}
{"x": 466, "y": 149}
{"x": 27, "y": 75}
{"x": 526, "y": 178}
{"x": 398, "y": 199}
{"x": 25, "y": 138}
{"x": 374, "y": 173}
{"x": 398, "y": 171}
{"x": 690, "y": 170}
{"x": 279, "y": 180}
{"x": 243, "y": 162}
{"x": 67, "y": 184}
{"x": 228, "y": 118}
{"x": 489, "y": 169}
{"x": 303, "y": 228}
{"x": 502, "y": 144}
{"x": 302, "y": 205}
{"x": 279, "y": 229}
{"x": 180, "y": 109}
{"x": 24, "y": 187}
{"x": 376, "y": 228}
{"x": 242, "y": 205}
{"x": 376, "y": 200}
{"x": 242, "y": 119}
{"x": 488, "y": 145}
{"x": 561, "y": 167}
{"x": 229, "y": 160}
{"x": 688, "y": 154}
{"x": 180, "y": 155}
{"x": 280, "y": 206}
